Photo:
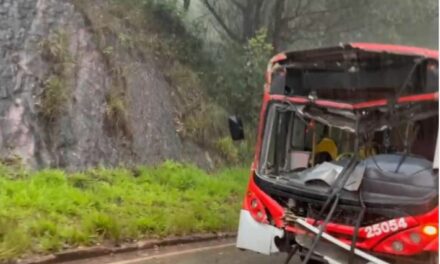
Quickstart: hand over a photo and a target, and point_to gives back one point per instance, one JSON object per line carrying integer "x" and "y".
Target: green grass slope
{"x": 51, "y": 210}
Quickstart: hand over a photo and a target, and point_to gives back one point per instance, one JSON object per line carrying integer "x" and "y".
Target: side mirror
{"x": 236, "y": 128}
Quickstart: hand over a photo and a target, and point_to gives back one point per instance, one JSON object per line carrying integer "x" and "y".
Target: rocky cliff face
{"x": 58, "y": 106}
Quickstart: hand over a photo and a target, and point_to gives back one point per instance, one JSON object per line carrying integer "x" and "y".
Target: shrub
{"x": 103, "y": 225}
{"x": 239, "y": 77}
{"x": 54, "y": 98}
{"x": 55, "y": 95}
{"x": 227, "y": 148}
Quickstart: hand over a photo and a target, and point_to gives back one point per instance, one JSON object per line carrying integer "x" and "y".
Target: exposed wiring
{"x": 384, "y": 171}
{"x": 336, "y": 193}
{"x": 337, "y": 242}
{"x": 321, "y": 230}
{"x": 409, "y": 76}
{"x": 333, "y": 190}
{"x": 357, "y": 226}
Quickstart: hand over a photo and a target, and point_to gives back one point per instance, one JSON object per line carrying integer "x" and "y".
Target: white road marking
{"x": 171, "y": 254}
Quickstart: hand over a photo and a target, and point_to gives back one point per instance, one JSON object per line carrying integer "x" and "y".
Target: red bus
{"x": 346, "y": 161}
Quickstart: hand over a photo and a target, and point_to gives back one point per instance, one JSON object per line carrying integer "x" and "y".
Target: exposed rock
{"x": 80, "y": 135}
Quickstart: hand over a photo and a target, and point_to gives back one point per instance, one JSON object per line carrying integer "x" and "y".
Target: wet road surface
{"x": 218, "y": 252}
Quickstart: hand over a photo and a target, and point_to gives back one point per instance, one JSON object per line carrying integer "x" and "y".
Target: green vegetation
{"x": 55, "y": 95}
{"x": 116, "y": 115}
{"x": 55, "y": 49}
{"x": 54, "y": 98}
{"x": 116, "y": 112}
{"x": 239, "y": 79}
{"x": 51, "y": 210}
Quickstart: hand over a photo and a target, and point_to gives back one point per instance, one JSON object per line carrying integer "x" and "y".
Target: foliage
{"x": 206, "y": 124}
{"x": 240, "y": 77}
{"x": 55, "y": 49}
{"x": 399, "y": 21}
{"x": 116, "y": 115}
{"x": 55, "y": 95}
{"x": 287, "y": 21}
{"x": 54, "y": 98}
{"x": 210, "y": 85}
{"x": 164, "y": 28}
{"x": 50, "y": 210}
{"x": 305, "y": 23}
{"x": 115, "y": 107}
{"x": 227, "y": 149}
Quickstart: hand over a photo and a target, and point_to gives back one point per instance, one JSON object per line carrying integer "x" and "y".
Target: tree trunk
{"x": 247, "y": 21}
{"x": 278, "y": 25}
{"x": 186, "y": 4}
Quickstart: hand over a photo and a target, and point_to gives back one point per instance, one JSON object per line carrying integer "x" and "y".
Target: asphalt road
{"x": 218, "y": 252}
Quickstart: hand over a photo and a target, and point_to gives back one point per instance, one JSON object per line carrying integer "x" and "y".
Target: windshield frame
{"x": 368, "y": 123}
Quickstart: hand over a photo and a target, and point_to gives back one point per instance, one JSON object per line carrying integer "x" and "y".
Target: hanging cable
{"x": 357, "y": 226}
{"x": 336, "y": 194}
{"x": 409, "y": 76}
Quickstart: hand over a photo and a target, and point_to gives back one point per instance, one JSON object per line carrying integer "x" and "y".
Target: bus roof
{"x": 396, "y": 49}
{"x": 361, "y": 46}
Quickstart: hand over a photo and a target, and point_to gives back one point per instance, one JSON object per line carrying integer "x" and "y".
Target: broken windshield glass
{"x": 305, "y": 140}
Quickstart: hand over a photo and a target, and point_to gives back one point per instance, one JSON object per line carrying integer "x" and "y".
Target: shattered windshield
{"x": 299, "y": 137}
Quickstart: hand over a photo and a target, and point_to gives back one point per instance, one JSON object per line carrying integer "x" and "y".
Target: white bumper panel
{"x": 255, "y": 236}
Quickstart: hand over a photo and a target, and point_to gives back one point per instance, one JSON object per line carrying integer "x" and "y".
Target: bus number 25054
{"x": 386, "y": 227}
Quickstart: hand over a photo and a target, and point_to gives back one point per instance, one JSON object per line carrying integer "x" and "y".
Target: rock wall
{"x": 81, "y": 135}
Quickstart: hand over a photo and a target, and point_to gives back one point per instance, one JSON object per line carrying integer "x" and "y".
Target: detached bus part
{"x": 346, "y": 162}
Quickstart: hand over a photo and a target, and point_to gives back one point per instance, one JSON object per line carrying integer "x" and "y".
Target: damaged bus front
{"x": 346, "y": 166}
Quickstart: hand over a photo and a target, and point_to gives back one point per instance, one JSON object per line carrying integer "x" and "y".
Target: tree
{"x": 286, "y": 21}
{"x": 403, "y": 21}
{"x": 186, "y": 4}
{"x": 237, "y": 80}
{"x": 304, "y": 22}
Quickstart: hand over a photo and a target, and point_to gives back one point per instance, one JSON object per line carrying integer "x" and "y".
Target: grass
{"x": 51, "y": 210}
